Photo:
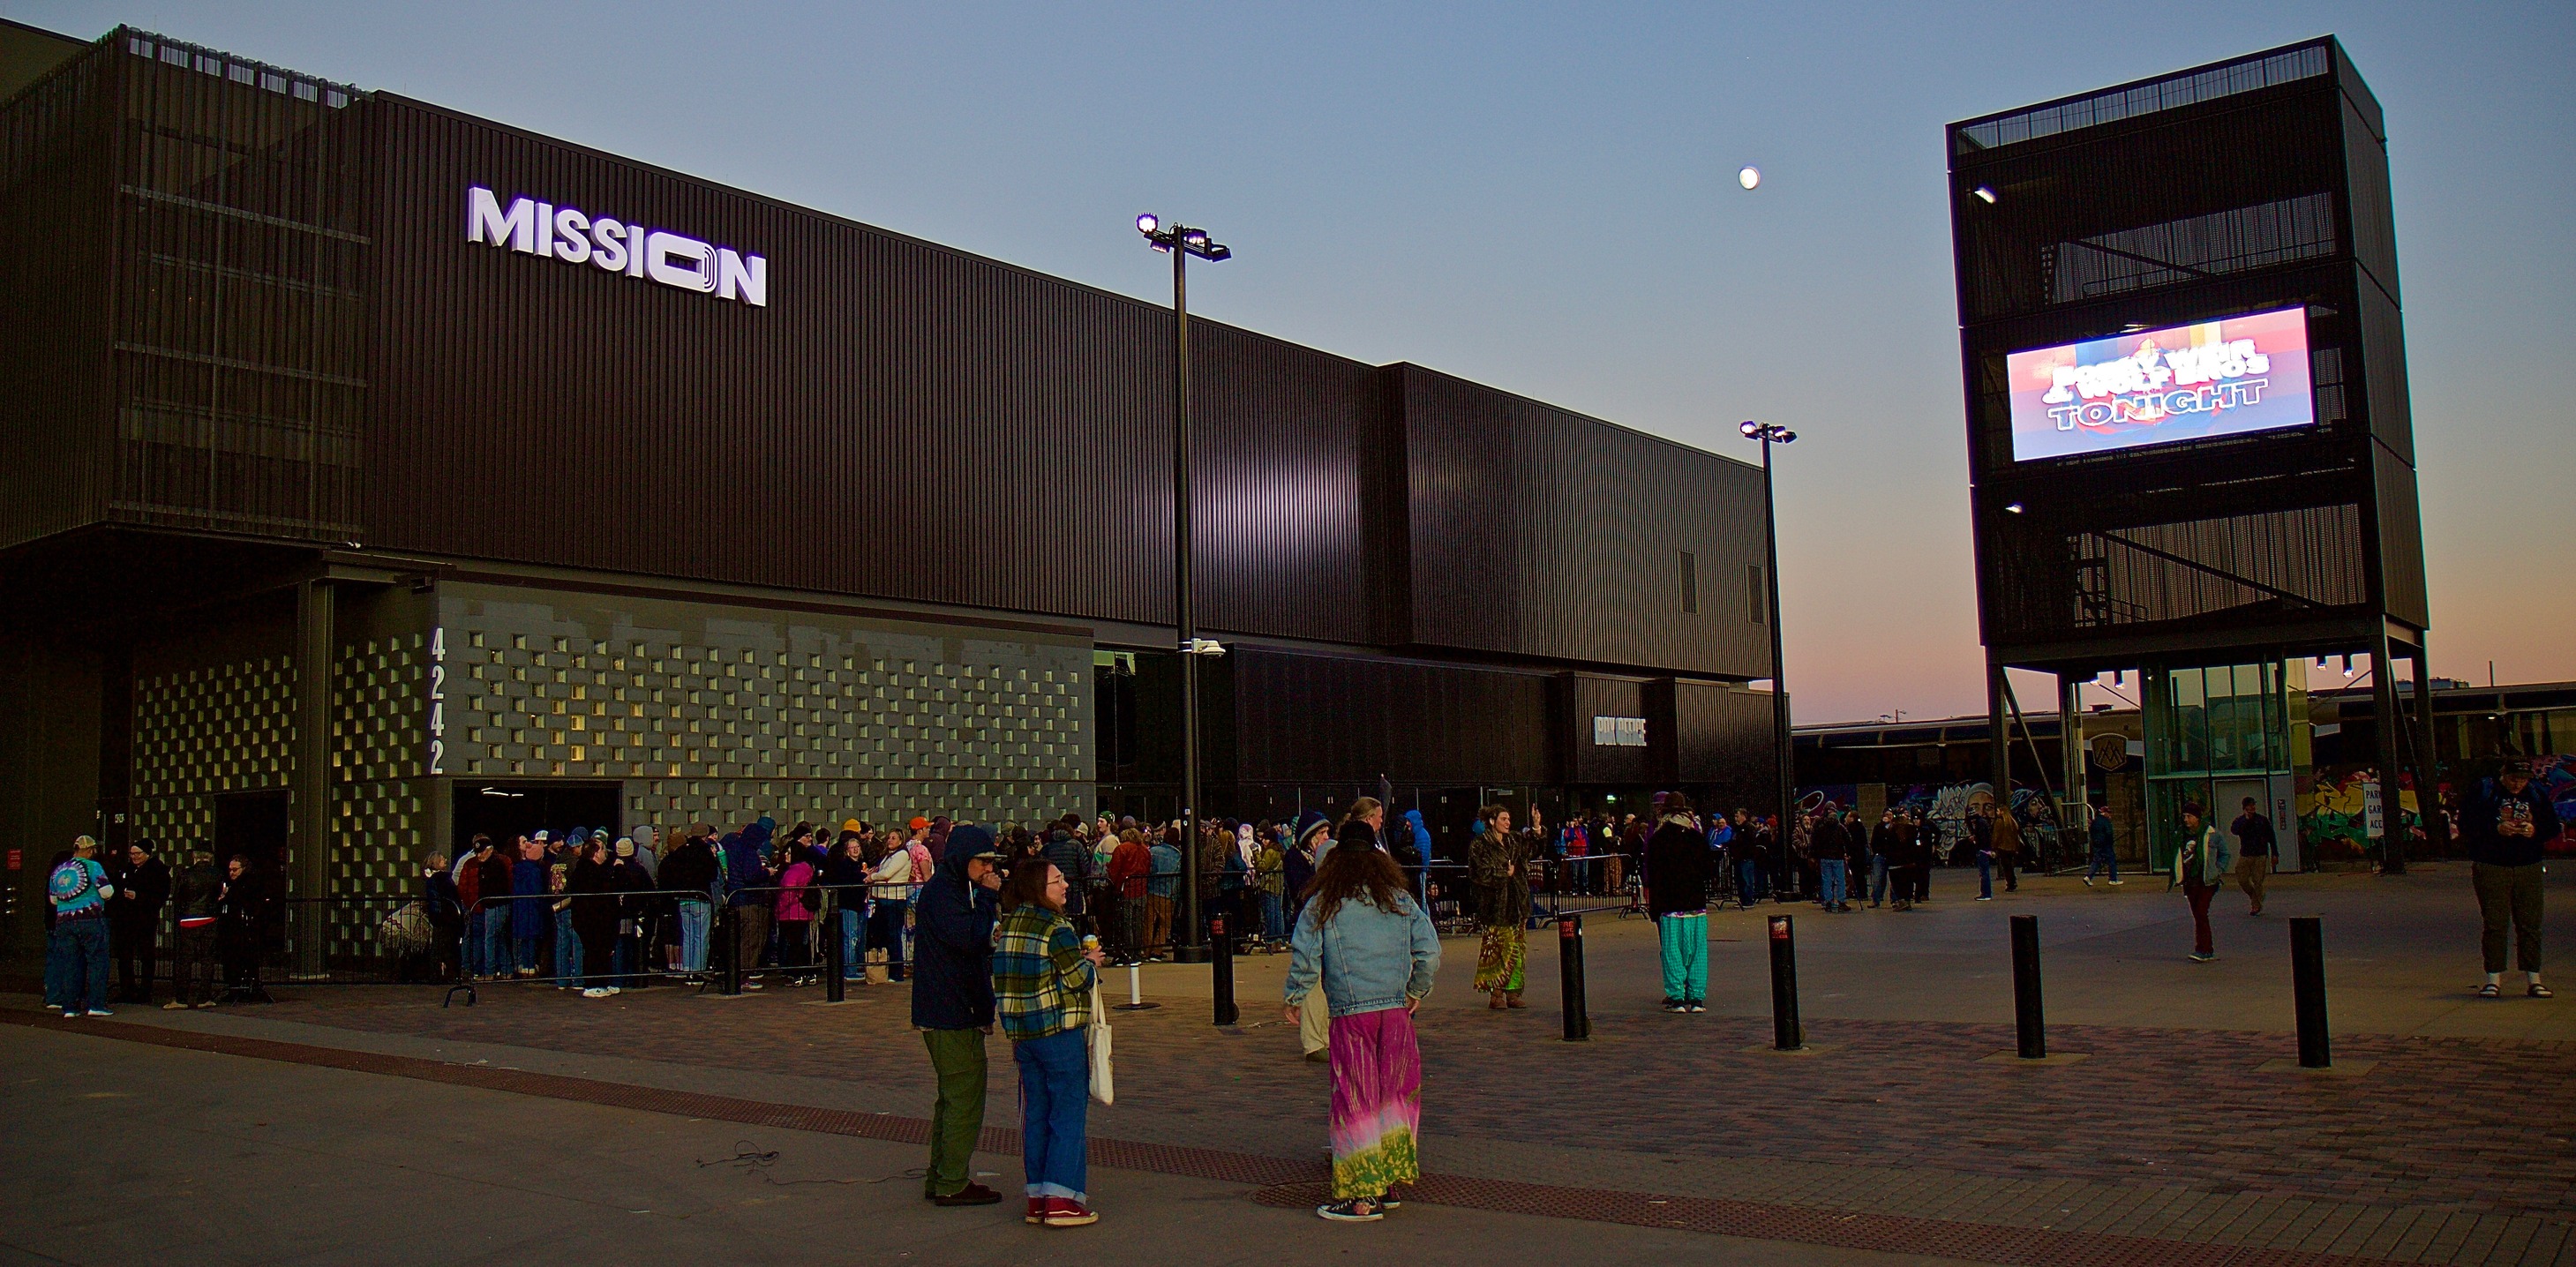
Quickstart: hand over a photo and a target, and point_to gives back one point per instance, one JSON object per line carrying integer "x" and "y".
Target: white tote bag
{"x": 1103, "y": 1088}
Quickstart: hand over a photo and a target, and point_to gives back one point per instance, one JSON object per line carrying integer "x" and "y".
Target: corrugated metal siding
{"x": 242, "y": 227}
{"x": 1318, "y": 718}
{"x": 900, "y": 421}
{"x": 1724, "y": 744}
{"x": 56, "y": 183}
{"x": 1539, "y": 531}
{"x": 2401, "y": 537}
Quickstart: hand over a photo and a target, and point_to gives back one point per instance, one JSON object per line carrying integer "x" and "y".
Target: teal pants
{"x": 957, "y": 1120}
{"x": 1686, "y": 957}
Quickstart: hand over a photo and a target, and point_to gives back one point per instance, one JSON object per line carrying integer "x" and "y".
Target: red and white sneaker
{"x": 1066, "y": 1212}
{"x": 1039, "y": 1209}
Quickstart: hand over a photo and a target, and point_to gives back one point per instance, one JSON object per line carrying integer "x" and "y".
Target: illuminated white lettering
{"x": 485, "y": 221}
{"x": 699, "y": 271}
{"x": 573, "y": 236}
{"x": 608, "y": 244}
{"x": 743, "y": 278}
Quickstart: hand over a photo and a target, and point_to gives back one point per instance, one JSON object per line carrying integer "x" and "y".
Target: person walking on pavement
{"x": 952, "y": 1005}
{"x": 1369, "y": 948}
{"x": 76, "y": 954}
{"x": 1498, "y": 863}
{"x": 1043, "y": 976}
{"x": 1677, "y": 900}
{"x": 2006, "y": 843}
{"x": 2105, "y": 847}
{"x": 2508, "y": 825}
{"x": 2200, "y": 864}
{"x": 2254, "y": 844}
{"x": 1981, "y": 838}
{"x": 1882, "y": 859}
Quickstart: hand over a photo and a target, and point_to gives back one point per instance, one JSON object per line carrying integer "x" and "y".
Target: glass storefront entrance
{"x": 2217, "y": 734}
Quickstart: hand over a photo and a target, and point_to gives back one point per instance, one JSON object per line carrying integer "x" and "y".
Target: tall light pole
{"x": 1181, "y": 242}
{"x": 1769, "y": 433}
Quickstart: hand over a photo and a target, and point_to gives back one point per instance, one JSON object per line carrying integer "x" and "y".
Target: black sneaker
{"x": 1672, "y": 1005}
{"x": 971, "y": 1194}
{"x": 1352, "y": 1210}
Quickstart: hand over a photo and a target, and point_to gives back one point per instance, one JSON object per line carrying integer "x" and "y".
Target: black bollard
{"x": 2308, "y": 988}
{"x": 836, "y": 958}
{"x": 1221, "y": 963}
{"x": 2026, "y": 1011}
{"x": 1569, "y": 962}
{"x": 1787, "y": 1034}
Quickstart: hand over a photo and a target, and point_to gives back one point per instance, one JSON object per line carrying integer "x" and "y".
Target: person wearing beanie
{"x": 952, "y": 1005}
{"x": 2507, "y": 824}
{"x": 2199, "y": 864}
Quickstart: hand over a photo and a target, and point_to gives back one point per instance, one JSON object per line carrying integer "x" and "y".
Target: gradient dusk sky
{"x": 1544, "y": 198}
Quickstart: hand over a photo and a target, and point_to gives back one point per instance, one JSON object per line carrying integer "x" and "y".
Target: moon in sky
{"x": 1749, "y": 177}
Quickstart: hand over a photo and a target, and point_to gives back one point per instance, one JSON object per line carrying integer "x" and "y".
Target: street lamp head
{"x": 1214, "y": 252}
{"x": 1787, "y": 436}
{"x": 1750, "y": 429}
{"x": 1148, "y": 224}
{"x": 1194, "y": 237}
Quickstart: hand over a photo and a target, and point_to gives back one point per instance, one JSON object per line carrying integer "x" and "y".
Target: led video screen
{"x": 2213, "y": 378}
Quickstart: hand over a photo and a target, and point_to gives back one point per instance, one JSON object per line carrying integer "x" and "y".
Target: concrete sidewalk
{"x": 2442, "y": 1138}
{"x": 168, "y": 1156}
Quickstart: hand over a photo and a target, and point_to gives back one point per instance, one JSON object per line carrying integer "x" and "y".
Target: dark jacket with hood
{"x": 952, "y": 968}
{"x": 1073, "y": 858}
{"x": 691, "y": 867}
{"x": 1676, "y": 868}
{"x": 2488, "y": 806}
{"x": 743, "y": 868}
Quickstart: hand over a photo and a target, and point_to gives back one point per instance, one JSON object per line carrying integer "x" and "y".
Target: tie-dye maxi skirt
{"x": 1499, "y": 958}
{"x": 1377, "y": 1102}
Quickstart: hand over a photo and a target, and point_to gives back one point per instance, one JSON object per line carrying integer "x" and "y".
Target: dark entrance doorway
{"x": 252, "y": 824}
{"x": 505, "y": 811}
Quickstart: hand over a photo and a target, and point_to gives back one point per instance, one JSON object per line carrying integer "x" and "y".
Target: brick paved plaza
{"x": 2444, "y": 1136}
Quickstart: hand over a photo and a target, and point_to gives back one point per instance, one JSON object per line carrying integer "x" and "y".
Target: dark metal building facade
{"x": 2255, "y": 184}
{"x": 298, "y": 468}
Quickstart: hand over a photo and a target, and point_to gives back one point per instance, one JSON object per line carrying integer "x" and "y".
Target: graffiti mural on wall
{"x": 2557, "y": 777}
{"x": 1946, "y": 809}
{"x": 2330, "y": 812}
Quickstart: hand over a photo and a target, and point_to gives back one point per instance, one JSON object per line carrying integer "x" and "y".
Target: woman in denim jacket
{"x": 1374, "y": 953}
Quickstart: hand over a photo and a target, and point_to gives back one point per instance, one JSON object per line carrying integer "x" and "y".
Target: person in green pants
{"x": 952, "y": 1005}
{"x": 1677, "y": 867}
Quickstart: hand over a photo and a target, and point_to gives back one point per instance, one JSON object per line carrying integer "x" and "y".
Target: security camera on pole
{"x": 1181, "y": 242}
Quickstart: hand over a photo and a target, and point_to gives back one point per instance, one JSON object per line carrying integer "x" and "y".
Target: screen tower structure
{"x": 2186, "y": 402}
